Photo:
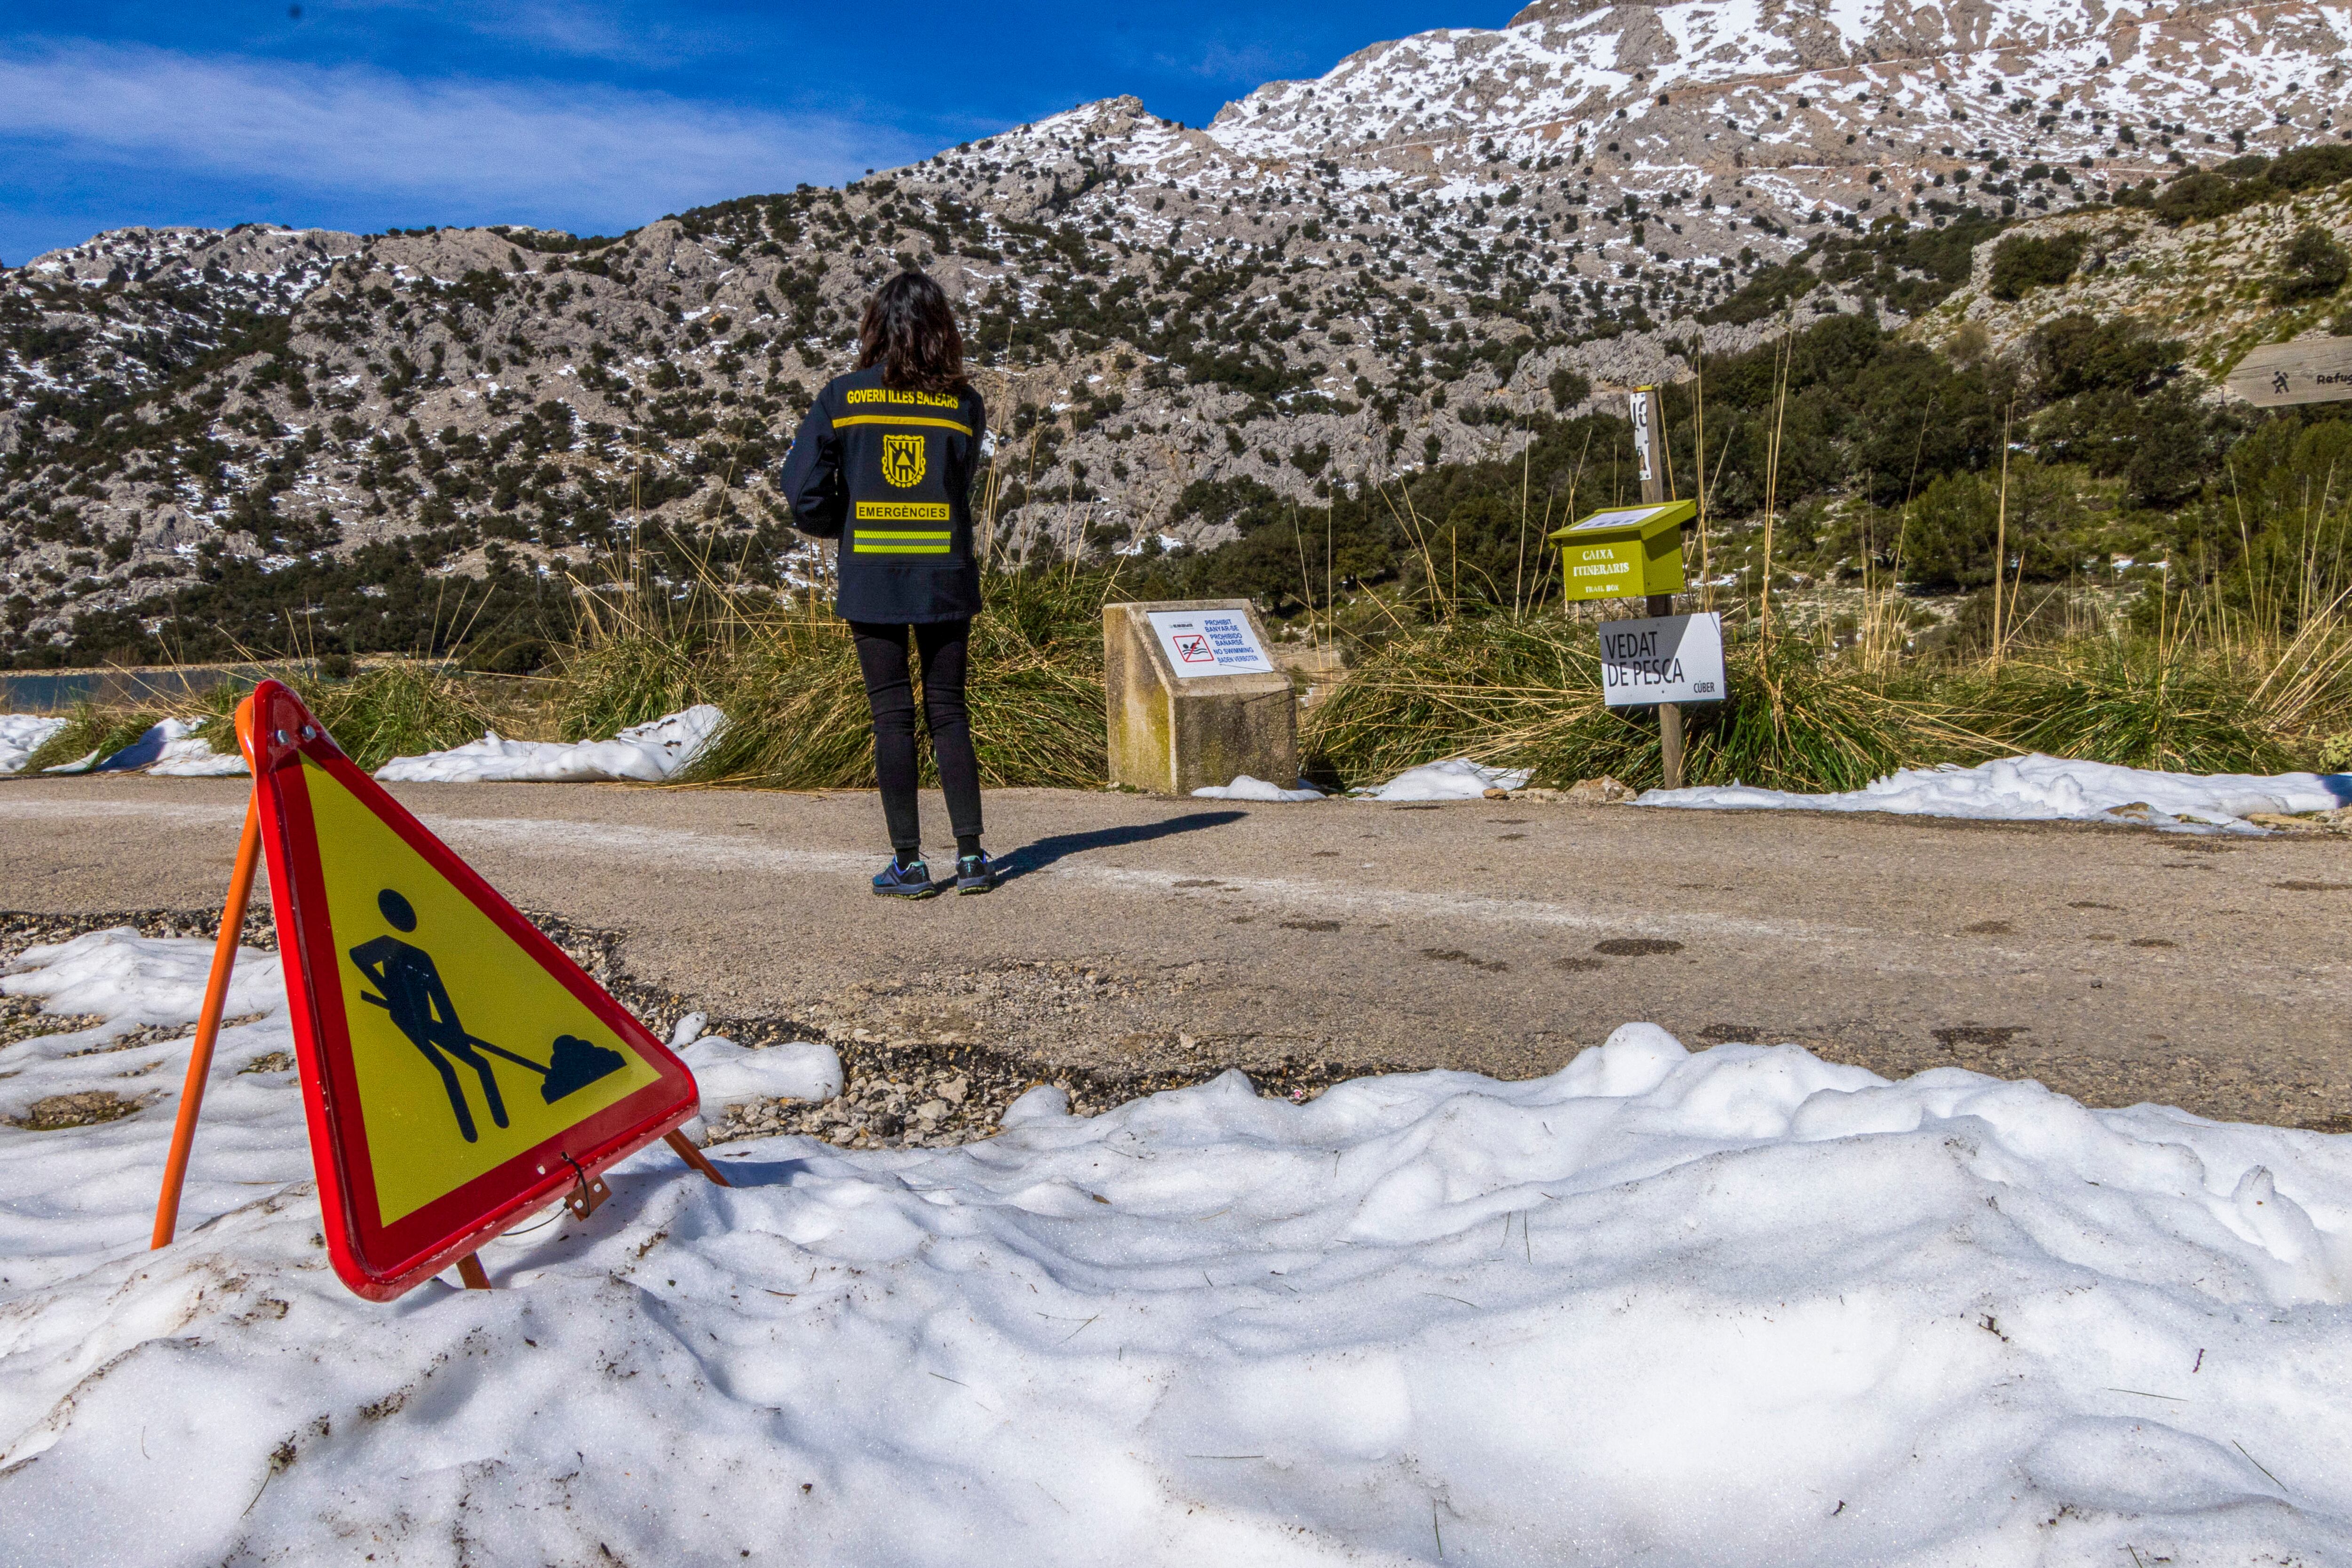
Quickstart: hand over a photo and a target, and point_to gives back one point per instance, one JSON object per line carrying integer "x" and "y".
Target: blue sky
{"x": 593, "y": 116}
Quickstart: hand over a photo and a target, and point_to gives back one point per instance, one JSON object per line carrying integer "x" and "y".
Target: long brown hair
{"x": 910, "y": 331}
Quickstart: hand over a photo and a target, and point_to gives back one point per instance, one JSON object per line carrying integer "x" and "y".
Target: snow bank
{"x": 1737, "y": 1306}
{"x": 172, "y": 748}
{"x": 728, "y": 1073}
{"x": 648, "y": 752}
{"x": 2039, "y": 789}
{"x": 1245, "y": 787}
{"x": 1458, "y": 778}
{"x": 21, "y": 735}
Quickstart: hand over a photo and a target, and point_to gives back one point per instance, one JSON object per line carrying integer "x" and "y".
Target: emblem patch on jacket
{"x": 902, "y": 460}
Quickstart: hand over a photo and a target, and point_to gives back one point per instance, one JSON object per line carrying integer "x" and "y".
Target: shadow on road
{"x": 1043, "y": 853}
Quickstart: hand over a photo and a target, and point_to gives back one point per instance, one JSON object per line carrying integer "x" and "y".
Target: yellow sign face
{"x": 465, "y": 1051}
{"x": 902, "y": 460}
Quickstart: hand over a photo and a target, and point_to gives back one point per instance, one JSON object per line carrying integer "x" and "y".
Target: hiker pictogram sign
{"x": 458, "y": 1069}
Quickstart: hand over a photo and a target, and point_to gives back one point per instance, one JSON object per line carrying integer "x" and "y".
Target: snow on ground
{"x": 1245, "y": 787}
{"x": 2038, "y": 788}
{"x": 21, "y": 735}
{"x": 1457, "y": 778}
{"x": 172, "y": 748}
{"x": 1733, "y": 1307}
{"x": 648, "y": 752}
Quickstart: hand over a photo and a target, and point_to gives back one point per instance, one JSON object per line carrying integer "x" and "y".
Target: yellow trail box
{"x": 1624, "y": 551}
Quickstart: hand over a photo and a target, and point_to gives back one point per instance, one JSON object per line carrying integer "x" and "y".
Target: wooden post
{"x": 1650, "y": 421}
{"x": 1670, "y": 714}
{"x": 208, "y": 1021}
{"x": 471, "y": 1272}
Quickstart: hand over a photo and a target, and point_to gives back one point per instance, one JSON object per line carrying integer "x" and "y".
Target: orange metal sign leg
{"x": 695, "y": 1158}
{"x": 200, "y": 1059}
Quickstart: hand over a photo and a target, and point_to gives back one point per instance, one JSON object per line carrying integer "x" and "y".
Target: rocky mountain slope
{"x": 218, "y": 439}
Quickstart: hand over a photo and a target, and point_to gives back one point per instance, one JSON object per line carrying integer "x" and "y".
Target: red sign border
{"x": 378, "y": 1261}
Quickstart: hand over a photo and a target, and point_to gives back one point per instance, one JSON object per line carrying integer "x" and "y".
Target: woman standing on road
{"x": 883, "y": 463}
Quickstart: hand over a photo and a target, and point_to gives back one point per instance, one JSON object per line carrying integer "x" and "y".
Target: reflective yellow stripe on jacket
{"x": 901, "y": 541}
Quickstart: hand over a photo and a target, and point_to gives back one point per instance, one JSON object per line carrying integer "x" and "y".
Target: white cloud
{"x": 615, "y": 158}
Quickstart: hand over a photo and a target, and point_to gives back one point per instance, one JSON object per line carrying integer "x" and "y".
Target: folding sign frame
{"x": 423, "y": 1152}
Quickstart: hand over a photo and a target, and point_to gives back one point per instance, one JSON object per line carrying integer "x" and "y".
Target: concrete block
{"x": 1195, "y": 696}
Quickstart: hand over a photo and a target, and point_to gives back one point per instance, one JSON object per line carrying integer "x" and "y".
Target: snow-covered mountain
{"x": 1391, "y": 266}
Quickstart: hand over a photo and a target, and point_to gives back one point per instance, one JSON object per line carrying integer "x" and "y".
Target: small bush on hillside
{"x": 2078, "y": 352}
{"x": 2312, "y": 267}
{"x": 2025, "y": 262}
{"x": 2202, "y": 194}
{"x": 1950, "y": 532}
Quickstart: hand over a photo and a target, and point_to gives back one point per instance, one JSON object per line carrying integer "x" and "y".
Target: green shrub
{"x": 2077, "y": 354}
{"x": 2023, "y": 262}
{"x": 2312, "y": 267}
{"x": 1949, "y": 532}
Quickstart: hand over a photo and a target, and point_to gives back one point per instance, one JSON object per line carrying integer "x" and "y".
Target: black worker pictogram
{"x": 412, "y": 991}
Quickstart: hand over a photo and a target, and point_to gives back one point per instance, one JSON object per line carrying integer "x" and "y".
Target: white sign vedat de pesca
{"x": 1210, "y": 642}
{"x": 1668, "y": 658}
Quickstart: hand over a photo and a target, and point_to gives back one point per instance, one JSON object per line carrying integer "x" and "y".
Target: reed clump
{"x": 90, "y": 732}
{"x": 795, "y": 703}
{"x": 384, "y": 710}
{"x": 1524, "y": 692}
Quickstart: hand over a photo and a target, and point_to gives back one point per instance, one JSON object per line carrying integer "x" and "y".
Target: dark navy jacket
{"x": 888, "y": 473}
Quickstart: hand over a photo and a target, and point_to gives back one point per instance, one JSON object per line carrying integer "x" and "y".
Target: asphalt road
{"x": 2118, "y": 964}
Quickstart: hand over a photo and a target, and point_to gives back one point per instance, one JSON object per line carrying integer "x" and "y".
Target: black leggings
{"x": 889, "y": 689}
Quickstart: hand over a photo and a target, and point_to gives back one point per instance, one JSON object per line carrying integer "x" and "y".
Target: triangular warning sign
{"x": 458, "y": 1069}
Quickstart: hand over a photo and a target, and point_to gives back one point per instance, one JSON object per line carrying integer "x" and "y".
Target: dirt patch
{"x": 85, "y": 1109}
{"x": 1455, "y": 955}
{"x": 1636, "y": 946}
{"x": 270, "y": 1061}
{"x": 1310, "y": 925}
{"x": 2302, "y": 887}
{"x": 1990, "y": 928}
{"x": 1578, "y": 966}
{"x": 1960, "y": 1035}
{"x": 21, "y": 1019}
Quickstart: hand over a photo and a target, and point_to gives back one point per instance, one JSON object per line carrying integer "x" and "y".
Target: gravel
{"x": 929, "y": 1061}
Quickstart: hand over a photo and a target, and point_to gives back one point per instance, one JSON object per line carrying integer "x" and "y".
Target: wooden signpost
{"x": 458, "y": 1070}
{"x": 2278, "y": 374}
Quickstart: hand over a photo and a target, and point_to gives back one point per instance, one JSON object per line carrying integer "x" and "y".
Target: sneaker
{"x": 975, "y": 873}
{"x": 912, "y": 880}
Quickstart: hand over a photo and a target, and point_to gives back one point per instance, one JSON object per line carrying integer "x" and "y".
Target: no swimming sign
{"x": 1210, "y": 642}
